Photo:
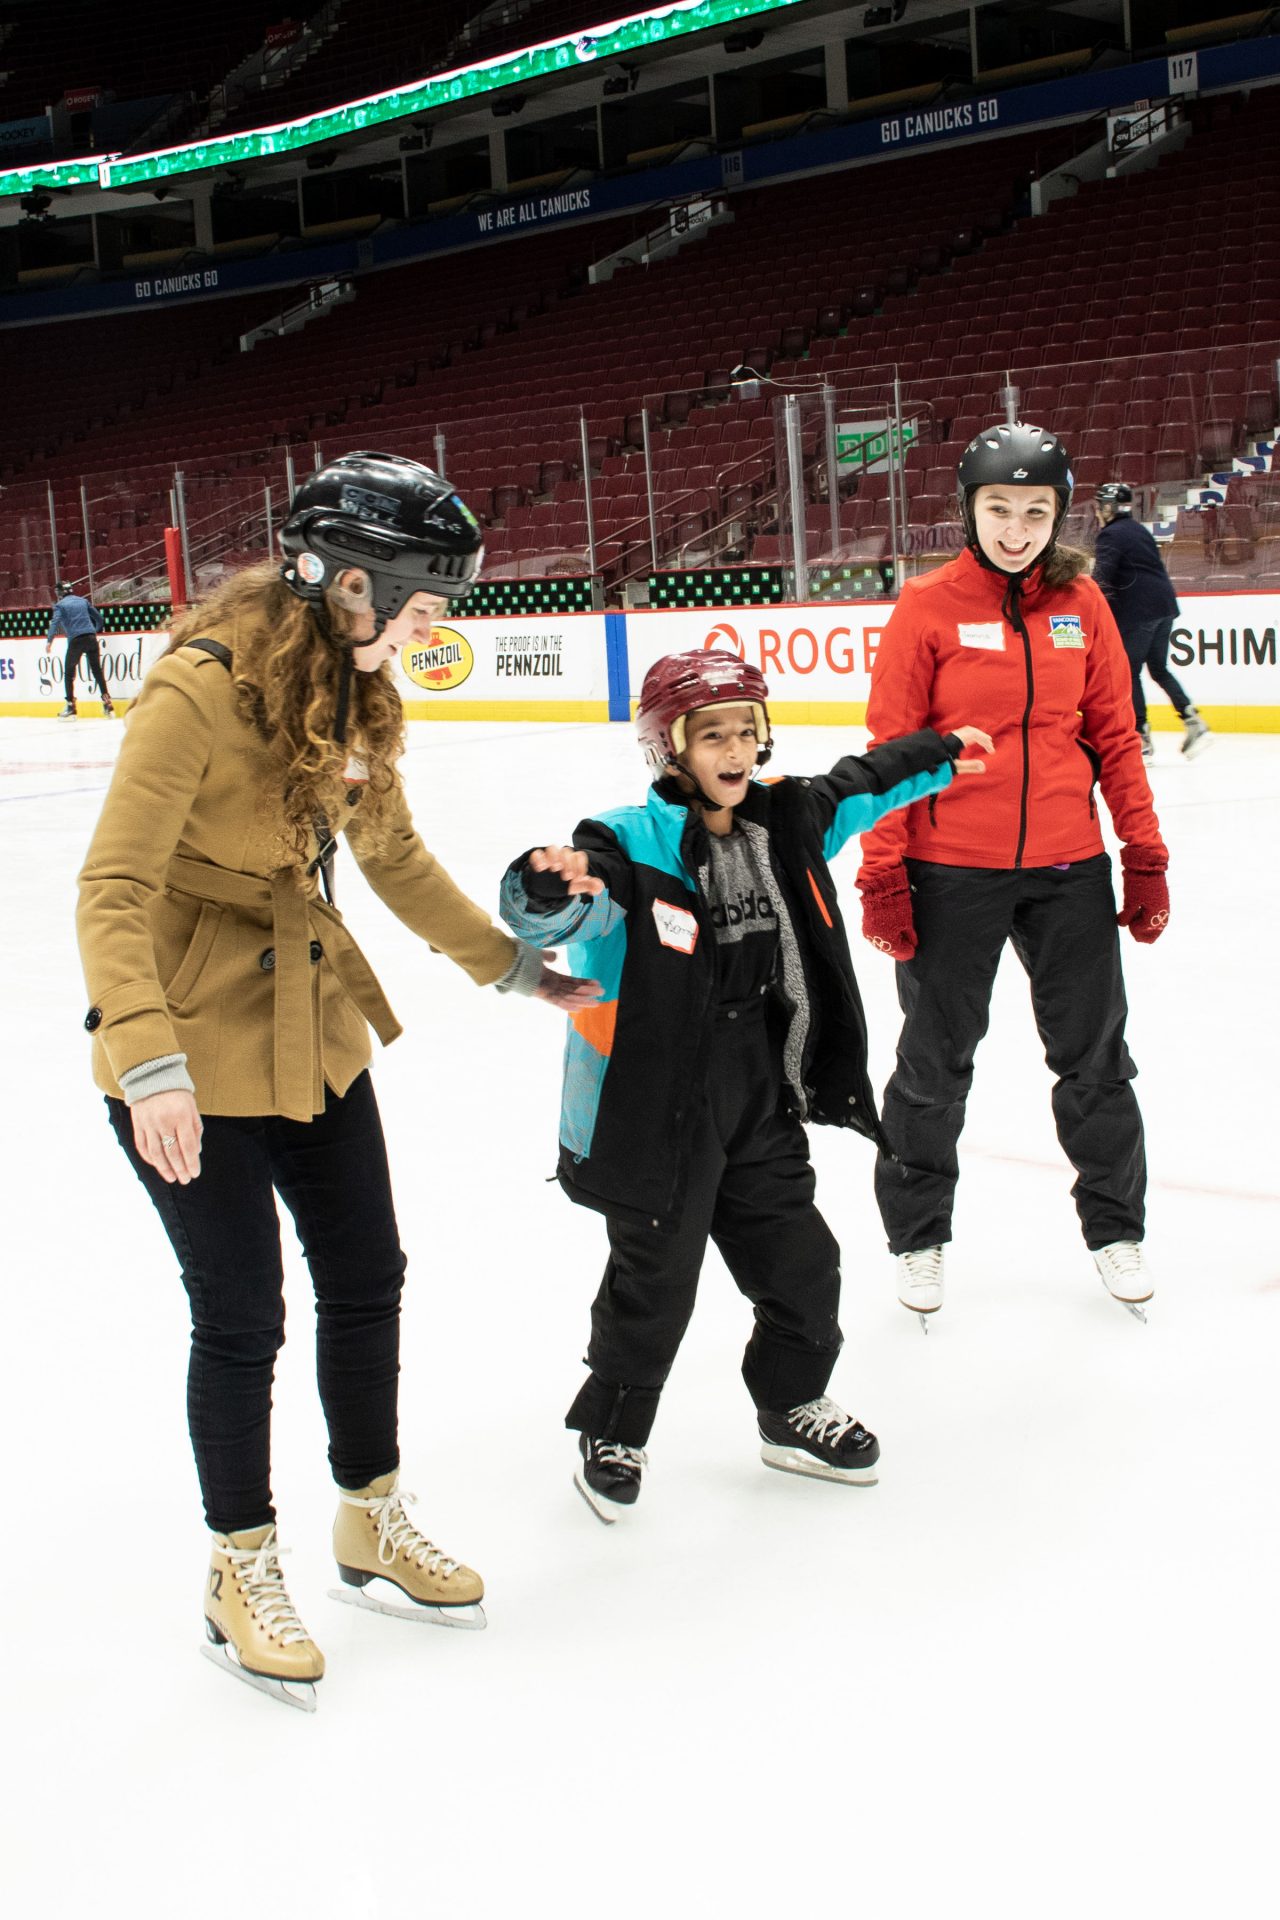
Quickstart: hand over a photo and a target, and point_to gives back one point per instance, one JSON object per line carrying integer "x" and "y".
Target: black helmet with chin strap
{"x": 394, "y": 519}
{"x": 398, "y": 522}
{"x": 1014, "y": 456}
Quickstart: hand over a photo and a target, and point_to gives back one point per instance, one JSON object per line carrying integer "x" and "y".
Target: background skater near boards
{"x": 230, "y": 1013}
{"x": 1015, "y": 632}
{"x": 78, "y": 619}
{"x": 1128, "y": 568}
{"x": 730, "y": 1015}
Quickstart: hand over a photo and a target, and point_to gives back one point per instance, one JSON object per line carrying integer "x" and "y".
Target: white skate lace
{"x": 924, "y": 1266}
{"x": 823, "y": 1420}
{"x": 260, "y": 1579}
{"x": 1124, "y": 1257}
{"x": 397, "y": 1533}
{"x": 613, "y": 1455}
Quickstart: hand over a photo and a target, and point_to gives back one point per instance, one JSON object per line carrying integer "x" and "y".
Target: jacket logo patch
{"x": 676, "y": 926}
{"x": 984, "y": 633}
{"x": 1066, "y": 630}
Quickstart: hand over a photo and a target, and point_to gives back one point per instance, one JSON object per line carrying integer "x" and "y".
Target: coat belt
{"x": 295, "y": 918}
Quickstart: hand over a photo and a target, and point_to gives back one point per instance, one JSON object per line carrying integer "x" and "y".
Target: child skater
{"x": 730, "y": 1014}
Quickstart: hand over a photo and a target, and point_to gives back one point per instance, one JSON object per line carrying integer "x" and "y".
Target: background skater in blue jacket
{"x": 75, "y": 616}
{"x": 730, "y": 1014}
{"x": 1128, "y": 568}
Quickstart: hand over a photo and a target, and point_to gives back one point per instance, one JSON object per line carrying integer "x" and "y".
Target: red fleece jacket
{"x": 1045, "y": 674}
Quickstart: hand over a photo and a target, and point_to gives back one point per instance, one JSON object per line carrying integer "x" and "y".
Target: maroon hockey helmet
{"x": 683, "y": 683}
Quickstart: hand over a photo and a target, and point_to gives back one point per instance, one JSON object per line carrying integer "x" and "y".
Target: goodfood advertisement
{"x": 817, "y": 659}
{"x": 31, "y": 675}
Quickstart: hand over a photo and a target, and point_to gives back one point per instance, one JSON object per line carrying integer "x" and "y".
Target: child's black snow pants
{"x": 750, "y": 1189}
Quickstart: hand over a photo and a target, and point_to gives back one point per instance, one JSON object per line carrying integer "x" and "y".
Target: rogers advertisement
{"x": 822, "y": 655}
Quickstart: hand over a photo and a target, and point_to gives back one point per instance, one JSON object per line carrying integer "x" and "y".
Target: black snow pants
{"x": 750, "y": 1190}
{"x": 1061, "y": 923}
{"x": 84, "y": 647}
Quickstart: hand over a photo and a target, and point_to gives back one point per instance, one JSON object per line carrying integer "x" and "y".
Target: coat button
{"x": 316, "y": 951}
{"x": 733, "y": 1013}
{"x": 93, "y": 1020}
{"x": 267, "y": 959}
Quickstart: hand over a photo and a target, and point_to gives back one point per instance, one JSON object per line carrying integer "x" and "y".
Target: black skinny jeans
{"x": 331, "y": 1172}
{"x": 750, "y": 1188}
{"x": 1061, "y": 923}
{"x": 83, "y": 647}
{"x": 1148, "y": 646}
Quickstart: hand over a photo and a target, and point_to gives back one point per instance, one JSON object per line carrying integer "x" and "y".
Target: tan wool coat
{"x": 201, "y": 933}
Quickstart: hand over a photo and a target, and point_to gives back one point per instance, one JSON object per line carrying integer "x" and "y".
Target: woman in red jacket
{"x": 1014, "y": 636}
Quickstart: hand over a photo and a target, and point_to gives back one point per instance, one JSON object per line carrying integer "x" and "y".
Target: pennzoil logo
{"x": 444, "y": 663}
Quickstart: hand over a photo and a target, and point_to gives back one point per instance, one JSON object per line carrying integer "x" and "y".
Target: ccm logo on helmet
{"x": 369, "y": 505}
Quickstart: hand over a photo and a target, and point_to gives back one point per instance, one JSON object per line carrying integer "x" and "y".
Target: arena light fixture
{"x": 608, "y": 41}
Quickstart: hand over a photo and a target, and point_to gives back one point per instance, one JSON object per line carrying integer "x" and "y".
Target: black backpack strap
{"x": 215, "y": 647}
{"x": 323, "y": 862}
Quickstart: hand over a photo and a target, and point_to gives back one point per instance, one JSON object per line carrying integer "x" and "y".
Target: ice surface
{"x": 1032, "y": 1673}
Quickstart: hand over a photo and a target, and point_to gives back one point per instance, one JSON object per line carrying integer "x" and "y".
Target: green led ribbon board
{"x": 54, "y": 173}
{"x": 605, "y": 42}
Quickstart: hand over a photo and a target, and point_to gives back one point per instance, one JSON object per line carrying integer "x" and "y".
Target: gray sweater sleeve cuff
{"x": 168, "y": 1074}
{"x": 524, "y": 973}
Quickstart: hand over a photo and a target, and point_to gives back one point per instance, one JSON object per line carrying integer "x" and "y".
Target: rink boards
{"x": 566, "y": 667}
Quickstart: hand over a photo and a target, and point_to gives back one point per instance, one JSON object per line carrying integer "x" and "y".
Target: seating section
{"x": 134, "y": 52}
{"x": 1137, "y": 317}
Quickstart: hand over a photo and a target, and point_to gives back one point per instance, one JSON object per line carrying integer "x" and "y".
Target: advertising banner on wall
{"x": 812, "y": 656}
{"x": 818, "y": 659}
{"x": 31, "y": 677}
{"x": 543, "y": 668}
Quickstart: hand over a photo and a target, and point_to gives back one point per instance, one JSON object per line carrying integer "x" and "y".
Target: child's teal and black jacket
{"x": 635, "y": 1064}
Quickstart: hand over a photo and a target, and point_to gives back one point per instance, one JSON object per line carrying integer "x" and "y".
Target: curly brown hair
{"x": 286, "y": 662}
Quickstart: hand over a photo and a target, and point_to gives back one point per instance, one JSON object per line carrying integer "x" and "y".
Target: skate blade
{"x": 290, "y": 1693}
{"x": 1135, "y": 1307}
{"x": 923, "y": 1314}
{"x": 422, "y": 1613}
{"x": 608, "y": 1511}
{"x": 796, "y": 1460}
{"x": 1194, "y": 752}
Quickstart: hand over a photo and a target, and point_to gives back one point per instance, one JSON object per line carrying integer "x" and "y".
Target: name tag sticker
{"x": 1066, "y": 630}
{"x": 676, "y": 926}
{"x": 989, "y": 633}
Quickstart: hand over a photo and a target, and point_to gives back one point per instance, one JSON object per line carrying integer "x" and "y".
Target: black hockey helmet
{"x": 1014, "y": 456}
{"x": 395, "y": 519}
{"x": 1116, "y": 495}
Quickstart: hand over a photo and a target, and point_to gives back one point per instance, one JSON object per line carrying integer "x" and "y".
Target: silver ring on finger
{"x": 168, "y": 1140}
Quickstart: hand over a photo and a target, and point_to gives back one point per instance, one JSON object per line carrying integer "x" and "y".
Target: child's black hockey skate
{"x": 822, "y": 1439}
{"x": 609, "y": 1477}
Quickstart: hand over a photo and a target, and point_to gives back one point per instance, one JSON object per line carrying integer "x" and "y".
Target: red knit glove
{"x": 1146, "y": 893}
{"x": 886, "y": 912}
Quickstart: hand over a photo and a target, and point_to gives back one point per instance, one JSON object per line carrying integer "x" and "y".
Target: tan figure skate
{"x": 374, "y": 1539}
{"x": 253, "y": 1629}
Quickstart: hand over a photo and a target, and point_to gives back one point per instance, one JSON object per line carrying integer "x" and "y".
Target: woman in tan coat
{"x": 230, "y": 1009}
